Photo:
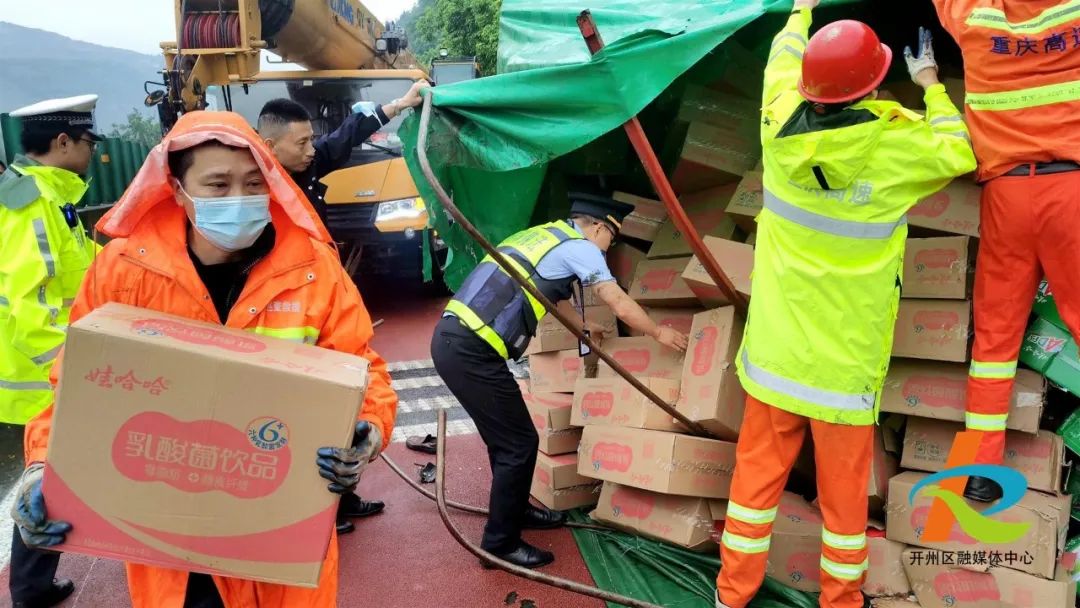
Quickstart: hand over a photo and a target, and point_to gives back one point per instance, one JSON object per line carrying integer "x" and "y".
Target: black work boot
{"x": 59, "y": 592}
{"x": 982, "y": 489}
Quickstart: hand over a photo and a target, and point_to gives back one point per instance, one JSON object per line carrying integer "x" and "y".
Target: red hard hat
{"x": 844, "y": 61}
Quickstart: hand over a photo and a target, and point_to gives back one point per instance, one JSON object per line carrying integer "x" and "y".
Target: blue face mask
{"x": 232, "y": 223}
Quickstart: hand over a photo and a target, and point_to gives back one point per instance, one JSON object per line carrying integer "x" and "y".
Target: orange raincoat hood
{"x": 151, "y": 187}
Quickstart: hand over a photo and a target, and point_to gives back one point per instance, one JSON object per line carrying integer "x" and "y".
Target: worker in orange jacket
{"x": 213, "y": 229}
{"x": 1021, "y": 60}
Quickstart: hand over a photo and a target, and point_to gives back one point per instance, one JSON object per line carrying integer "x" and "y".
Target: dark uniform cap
{"x": 600, "y": 207}
{"x": 59, "y": 115}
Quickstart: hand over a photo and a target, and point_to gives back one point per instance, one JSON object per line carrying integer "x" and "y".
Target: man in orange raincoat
{"x": 213, "y": 229}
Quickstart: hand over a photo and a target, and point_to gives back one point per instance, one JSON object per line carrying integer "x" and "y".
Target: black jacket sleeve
{"x": 333, "y": 149}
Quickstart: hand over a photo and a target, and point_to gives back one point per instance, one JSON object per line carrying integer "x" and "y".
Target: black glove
{"x": 342, "y": 467}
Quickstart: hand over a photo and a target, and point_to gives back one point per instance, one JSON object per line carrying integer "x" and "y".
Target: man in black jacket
{"x": 285, "y": 127}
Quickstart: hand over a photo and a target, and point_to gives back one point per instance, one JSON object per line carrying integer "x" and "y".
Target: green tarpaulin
{"x": 499, "y": 144}
{"x": 664, "y": 574}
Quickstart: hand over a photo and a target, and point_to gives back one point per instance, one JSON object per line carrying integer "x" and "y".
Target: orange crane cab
{"x": 373, "y": 207}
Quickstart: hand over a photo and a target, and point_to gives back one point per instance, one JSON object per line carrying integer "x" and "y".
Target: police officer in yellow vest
{"x": 492, "y": 319}
{"x": 841, "y": 171}
{"x": 44, "y": 254}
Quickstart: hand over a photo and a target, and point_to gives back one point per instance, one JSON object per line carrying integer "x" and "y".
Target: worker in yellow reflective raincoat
{"x": 44, "y": 253}
{"x": 842, "y": 169}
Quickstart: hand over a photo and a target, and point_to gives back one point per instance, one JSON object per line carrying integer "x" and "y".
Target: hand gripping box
{"x": 187, "y": 445}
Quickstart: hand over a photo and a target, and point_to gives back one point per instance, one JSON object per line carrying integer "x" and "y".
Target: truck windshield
{"x": 449, "y": 73}
{"x": 328, "y": 101}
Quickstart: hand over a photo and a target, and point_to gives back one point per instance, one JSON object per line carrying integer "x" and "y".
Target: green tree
{"x": 139, "y": 129}
{"x": 462, "y": 27}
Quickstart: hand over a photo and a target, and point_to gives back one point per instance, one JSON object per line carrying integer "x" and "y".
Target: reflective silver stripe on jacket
{"x": 43, "y": 246}
{"x": 25, "y": 386}
{"x": 828, "y": 225}
{"x": 809, "y": 394}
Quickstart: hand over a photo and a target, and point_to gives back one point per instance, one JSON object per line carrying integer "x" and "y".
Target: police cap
{"x": 55, "y": 116}
{"x": 601, "y": 208}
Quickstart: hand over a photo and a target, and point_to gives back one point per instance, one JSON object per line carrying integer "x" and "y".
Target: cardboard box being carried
{"x": 938, "y": 330}
{"x": 1039, "y": 458}
{"x": 1035, "y": 553}
{"x": 557, "y": 372}
{"x": 557, "y": 485}
{"x": 939, "y": 268}
{"x": 711, "y": 392}
{"x": 550, "y": 413}
{"x": 645, "y": 221}
{"x": 939, "y": 391}
{"x": 938, "y": 585}
{"x": 795, "y": 550}
{"x": 705, "y": 210}
{"x": 660, "y": 462}
{"x": 171, "y": 433}
{"x": 615, "y": 402}
{"x": 885, "y": 575}
{"x": 953, "y": 210}
{"x": 659, "y": 283}
{"x": 736, "y": 260}
{"x": 712, "y": 156}
{"x": 551, "y": 335}
{"x": 748, "y": 201}
{"x": 642, "y": 357}
{"x": 680, "y": 520}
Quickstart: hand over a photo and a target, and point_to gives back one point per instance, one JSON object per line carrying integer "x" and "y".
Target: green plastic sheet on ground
{"x": 665, "y": 575}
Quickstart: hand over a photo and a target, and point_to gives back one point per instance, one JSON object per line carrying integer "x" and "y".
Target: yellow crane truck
{"x": 373, "y": 207}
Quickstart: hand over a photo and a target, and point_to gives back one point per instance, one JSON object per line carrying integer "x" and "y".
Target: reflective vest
{"x": 828, "y": 261}
{"x": 491, "y": 304}
{"x": 1022, "y": 71}
{"x": 42, "y": 262}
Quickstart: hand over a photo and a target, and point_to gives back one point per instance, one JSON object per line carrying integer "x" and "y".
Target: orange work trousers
{"x": 1030, "y": 228}
{"x": 769, "y": 442}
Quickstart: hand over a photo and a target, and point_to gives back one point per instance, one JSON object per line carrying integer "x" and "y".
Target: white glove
{"x": 925, "y": 60}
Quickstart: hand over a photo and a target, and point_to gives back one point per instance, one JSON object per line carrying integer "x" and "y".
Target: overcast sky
{"x": 137, "y": 25}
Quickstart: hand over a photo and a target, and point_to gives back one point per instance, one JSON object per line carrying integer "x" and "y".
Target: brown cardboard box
{"x": 615, "y": 402}
{"x": 713, "y": 156}
{"x": 1048, "y": 517}
{"x": 1039, "y": 457}
{"x": 550, "y": 413}
{"x": 552, "y": 336}
{"x": 679, "y": 319}
{"x": 885, "y": 576}
{"x": 668, "y": 463}
{"x": 795, "y": 551}
{"x": 171, "y": 433}
{"x": 659, "y": 283}
{"x": 953, "y": 210}
{"x": 556, "y": 372}
{"x": 892, "y": 602}
{"x": 945, "y": 586}
{"x": 938, "y": 330}
{"x": 643, "y": 357}
{"x": 711, "y": 392}
{"x": 557, "y": 485}
{"x": 565, "y": 498}
{"x": 680, "y": 520}
{"x": 748, "y": 200}
{"x": 645, "y": 221}
{"x": 705, "y": 210}
{"x": 938, "y": 391}
{"x": 623, "y": 260}
{"x": 736, "y": 260}
{"x": 940, "y": 267}
{"x": 726, "y": 112}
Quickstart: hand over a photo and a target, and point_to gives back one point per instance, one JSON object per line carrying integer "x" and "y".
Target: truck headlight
{"x": 402, "y": 209}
